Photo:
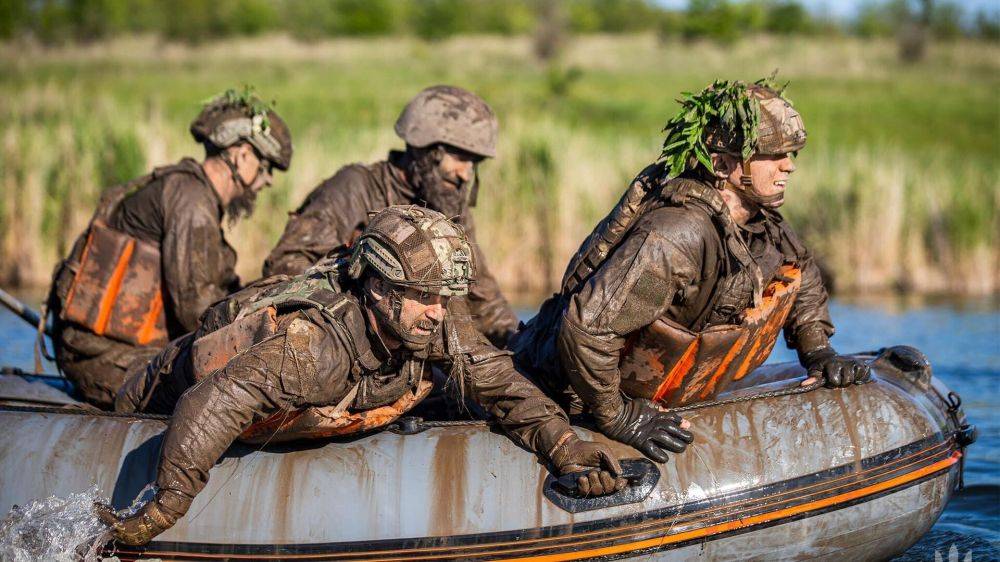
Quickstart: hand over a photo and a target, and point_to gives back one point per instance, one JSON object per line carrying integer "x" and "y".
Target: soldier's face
{"x": 422, "y": 313}
{"x": 770, "y": 176}
{"x": 457, "y": 167}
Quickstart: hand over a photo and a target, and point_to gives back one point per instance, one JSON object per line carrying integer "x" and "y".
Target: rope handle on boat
{"x": 409, "y": 425}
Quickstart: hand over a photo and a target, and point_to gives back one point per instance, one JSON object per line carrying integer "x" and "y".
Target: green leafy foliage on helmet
{"x": 415, "y": 247}
{"x": 731, "y": 117}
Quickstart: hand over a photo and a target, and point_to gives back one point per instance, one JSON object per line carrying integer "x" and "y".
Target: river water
{"x": 962, "y": 341}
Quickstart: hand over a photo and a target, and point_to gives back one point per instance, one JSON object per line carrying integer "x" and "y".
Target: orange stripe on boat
{"x": 755, "y": 520}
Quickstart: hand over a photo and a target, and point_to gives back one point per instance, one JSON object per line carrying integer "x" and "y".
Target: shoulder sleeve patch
{"x": 647, "y": 294}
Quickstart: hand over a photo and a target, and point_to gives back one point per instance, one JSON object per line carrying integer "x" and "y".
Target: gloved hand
{"x": 137, "y": 530}
{"x": 576, "y": 455}
{"x": 837, "y": 370}
{"x": 643, "y": 425}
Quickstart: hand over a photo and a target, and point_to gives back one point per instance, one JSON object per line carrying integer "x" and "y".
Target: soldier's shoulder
{"x": 672, "y": 221}
{"x": 350, "y": 181}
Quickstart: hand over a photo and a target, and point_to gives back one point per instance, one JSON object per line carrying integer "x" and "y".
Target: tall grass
{"x": 897, "y": 190}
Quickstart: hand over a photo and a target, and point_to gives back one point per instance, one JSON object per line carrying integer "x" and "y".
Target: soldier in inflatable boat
{"x": 685, "y": 285}
{"x": 448, "y": 131}
{"x": 338, "y": 350}
{"x": 154, "y": 255}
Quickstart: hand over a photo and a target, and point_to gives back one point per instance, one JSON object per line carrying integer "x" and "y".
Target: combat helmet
{"x": 235, "y": 116}
{"x": 733, "y": 118}
{"x": 411, "y": 246}
{"x": 450, "y": 115}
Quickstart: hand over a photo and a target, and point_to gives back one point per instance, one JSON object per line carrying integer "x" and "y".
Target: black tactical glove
{"x": 603, "y": 473}
{"x": 837, "y": 371}
{"x": 137, "y": 530}
{"x": 644, "y": 426}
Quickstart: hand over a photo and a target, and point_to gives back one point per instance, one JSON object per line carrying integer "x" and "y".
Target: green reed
{"x": 897, "y": 189}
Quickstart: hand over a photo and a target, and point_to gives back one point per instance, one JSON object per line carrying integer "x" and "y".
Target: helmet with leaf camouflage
{"x": 732, "y": 117}
{"x": 238, "y": 116}
{"x": 411, "y": 246}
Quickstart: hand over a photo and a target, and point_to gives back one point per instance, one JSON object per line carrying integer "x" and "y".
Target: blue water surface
{"x": 962, "y": 341}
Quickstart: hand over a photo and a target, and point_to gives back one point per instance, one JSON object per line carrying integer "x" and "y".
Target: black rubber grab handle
{"x": 641, "y": 476}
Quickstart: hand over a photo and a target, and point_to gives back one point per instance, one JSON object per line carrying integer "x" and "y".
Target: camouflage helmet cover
{"x": 450, "y": 115}
{"x": 234, "y": 116}
{"x": 780, "y": 129}
{"x": 735, "y": 118}
{"x": 412, "y": 246}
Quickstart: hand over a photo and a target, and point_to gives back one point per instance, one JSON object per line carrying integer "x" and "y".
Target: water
{"x": 962, "y": 341}
{"x": 59, "y": 529}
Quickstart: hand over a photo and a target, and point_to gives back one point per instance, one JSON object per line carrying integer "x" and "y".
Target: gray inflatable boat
{"x": 847, "y": 474}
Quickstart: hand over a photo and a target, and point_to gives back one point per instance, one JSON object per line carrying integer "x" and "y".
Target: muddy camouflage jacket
{"x": 684, "y": 260}
{"x": 336, "y": 212}
{"x": 316, "y": 358}
{"x": 181, "y": 214}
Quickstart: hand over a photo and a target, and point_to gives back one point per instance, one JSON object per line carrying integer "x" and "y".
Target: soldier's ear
{"x": 724, "y": 164}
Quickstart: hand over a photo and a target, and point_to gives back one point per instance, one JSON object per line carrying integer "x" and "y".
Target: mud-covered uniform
{"x": 322, "y": 351}
{"x": 179, "y": 214}
{"x": 685, "y": 261}
{"x": 336, "y": 212}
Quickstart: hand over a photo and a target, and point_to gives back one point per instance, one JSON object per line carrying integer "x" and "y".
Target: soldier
{"x": 447, "y": 131}
{"x": 154, "y": 255}
{"x": 685, "y": 285}
{"x": 359, "y": 337}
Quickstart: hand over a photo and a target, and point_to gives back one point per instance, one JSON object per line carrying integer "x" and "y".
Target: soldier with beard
{"x": 447, "y": 131}
{"x": 345, "y": 337}
{"x": 154, "y": 255}
{"x": 685, "y": 286}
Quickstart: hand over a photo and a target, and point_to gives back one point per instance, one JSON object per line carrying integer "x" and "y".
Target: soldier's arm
{"x": 193, "y": 254}
{"x": 808, "y": 326}
{"x": 285, "y": 371}
{"x": 633, "y": 288}
{"x": 488, "y": 377}
{"x": 331, "y": 216}
{"x": 493, "y": 315}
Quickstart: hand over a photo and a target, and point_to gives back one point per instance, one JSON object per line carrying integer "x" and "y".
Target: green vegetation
{"x": 897, "y": 188}
{"x": 59, "y": 21}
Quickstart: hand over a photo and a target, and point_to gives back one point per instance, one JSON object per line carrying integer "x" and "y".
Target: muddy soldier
{"x": 686, "y": 284}
{"x": 447, "y": 131}
{"x": 154, "y": 256}
{"x": 355, "y": 341}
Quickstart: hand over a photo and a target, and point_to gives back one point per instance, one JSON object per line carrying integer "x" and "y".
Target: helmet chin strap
{"x": 747, "y": 193}
{"x": 235, "y": 173}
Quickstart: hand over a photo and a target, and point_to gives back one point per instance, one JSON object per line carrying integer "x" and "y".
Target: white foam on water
{"x": 58, "y": 529}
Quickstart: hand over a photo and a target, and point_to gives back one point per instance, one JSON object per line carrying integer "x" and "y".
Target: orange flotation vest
{"x": 116, "y": 290}
{"x": 675, "y": 366}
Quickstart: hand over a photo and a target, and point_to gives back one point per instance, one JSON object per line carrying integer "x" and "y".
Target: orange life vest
{"x": 116, "y": 288}
{"x": 672, "y": 365}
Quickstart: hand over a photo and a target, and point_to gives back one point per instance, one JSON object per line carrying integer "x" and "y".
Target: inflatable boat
{"x": 775, "y": 472}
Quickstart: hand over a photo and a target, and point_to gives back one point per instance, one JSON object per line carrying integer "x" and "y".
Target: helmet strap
{"x": 747, "y": 193}
{"x": 243, "y": 185}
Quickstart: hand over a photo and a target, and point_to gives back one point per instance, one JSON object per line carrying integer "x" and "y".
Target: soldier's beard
{"x": 437, "y": 192}
{"x": 242, "y": 206}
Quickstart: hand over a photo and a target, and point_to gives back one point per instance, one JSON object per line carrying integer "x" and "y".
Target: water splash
{"x": 59, "y": 529}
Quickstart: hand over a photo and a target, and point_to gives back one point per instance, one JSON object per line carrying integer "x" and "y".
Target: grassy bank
{"x": 898, "y": 188}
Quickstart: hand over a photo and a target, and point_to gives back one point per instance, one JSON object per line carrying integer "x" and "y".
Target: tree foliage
{"x": 725, "y": 21}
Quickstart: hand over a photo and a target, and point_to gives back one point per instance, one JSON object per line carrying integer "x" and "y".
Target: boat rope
{"x": 407, "y": 425}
